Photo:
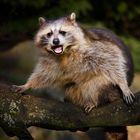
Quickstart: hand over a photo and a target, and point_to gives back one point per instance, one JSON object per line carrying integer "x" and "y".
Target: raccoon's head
{"x": 58, "y": 36}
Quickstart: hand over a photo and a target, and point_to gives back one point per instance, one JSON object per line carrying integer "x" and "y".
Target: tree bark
{"x": 18, "y": 112}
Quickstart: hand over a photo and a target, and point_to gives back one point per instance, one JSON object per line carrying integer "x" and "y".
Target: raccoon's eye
{"x": 49, "y": 34}
{"x": 62, "y": 33}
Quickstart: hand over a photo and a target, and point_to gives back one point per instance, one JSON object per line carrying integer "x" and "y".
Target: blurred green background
{"x": 19, "y": 23}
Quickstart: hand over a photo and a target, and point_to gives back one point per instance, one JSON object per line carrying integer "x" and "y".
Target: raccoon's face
{"x": 58, "y": 36}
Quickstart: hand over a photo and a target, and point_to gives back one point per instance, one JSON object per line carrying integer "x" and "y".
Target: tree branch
{"x": 18, "y": 112}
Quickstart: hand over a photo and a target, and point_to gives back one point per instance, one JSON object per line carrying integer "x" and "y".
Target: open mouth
{"x": 57, "y": 49}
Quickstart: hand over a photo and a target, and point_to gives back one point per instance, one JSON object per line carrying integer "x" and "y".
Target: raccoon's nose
{"x": 56, "y": 41}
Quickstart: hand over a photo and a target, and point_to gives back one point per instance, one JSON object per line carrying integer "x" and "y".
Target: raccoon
{"x": 93, "y": 66}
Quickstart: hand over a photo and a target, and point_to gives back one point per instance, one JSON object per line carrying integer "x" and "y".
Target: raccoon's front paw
{"x": 17, "y": 89}
{"x": 88, "y": 107}
{"x": 129, "y": 98}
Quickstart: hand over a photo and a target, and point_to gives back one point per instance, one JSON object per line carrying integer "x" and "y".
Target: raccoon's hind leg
{"x": 77, "y": 96}
{"x": 86, "y": 93}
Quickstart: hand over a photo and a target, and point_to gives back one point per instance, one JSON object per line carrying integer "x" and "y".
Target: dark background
{"x": 121, "y": 16}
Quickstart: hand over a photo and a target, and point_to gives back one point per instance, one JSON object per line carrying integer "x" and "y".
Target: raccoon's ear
{"x": 72, "y": 17}
{"x": 41, "y": 21}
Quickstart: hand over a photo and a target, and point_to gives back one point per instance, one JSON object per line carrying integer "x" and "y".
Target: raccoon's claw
{"x": 17, "y": 89}
{"x": 88, "y": 108}
{"x": 129, "y": 100}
